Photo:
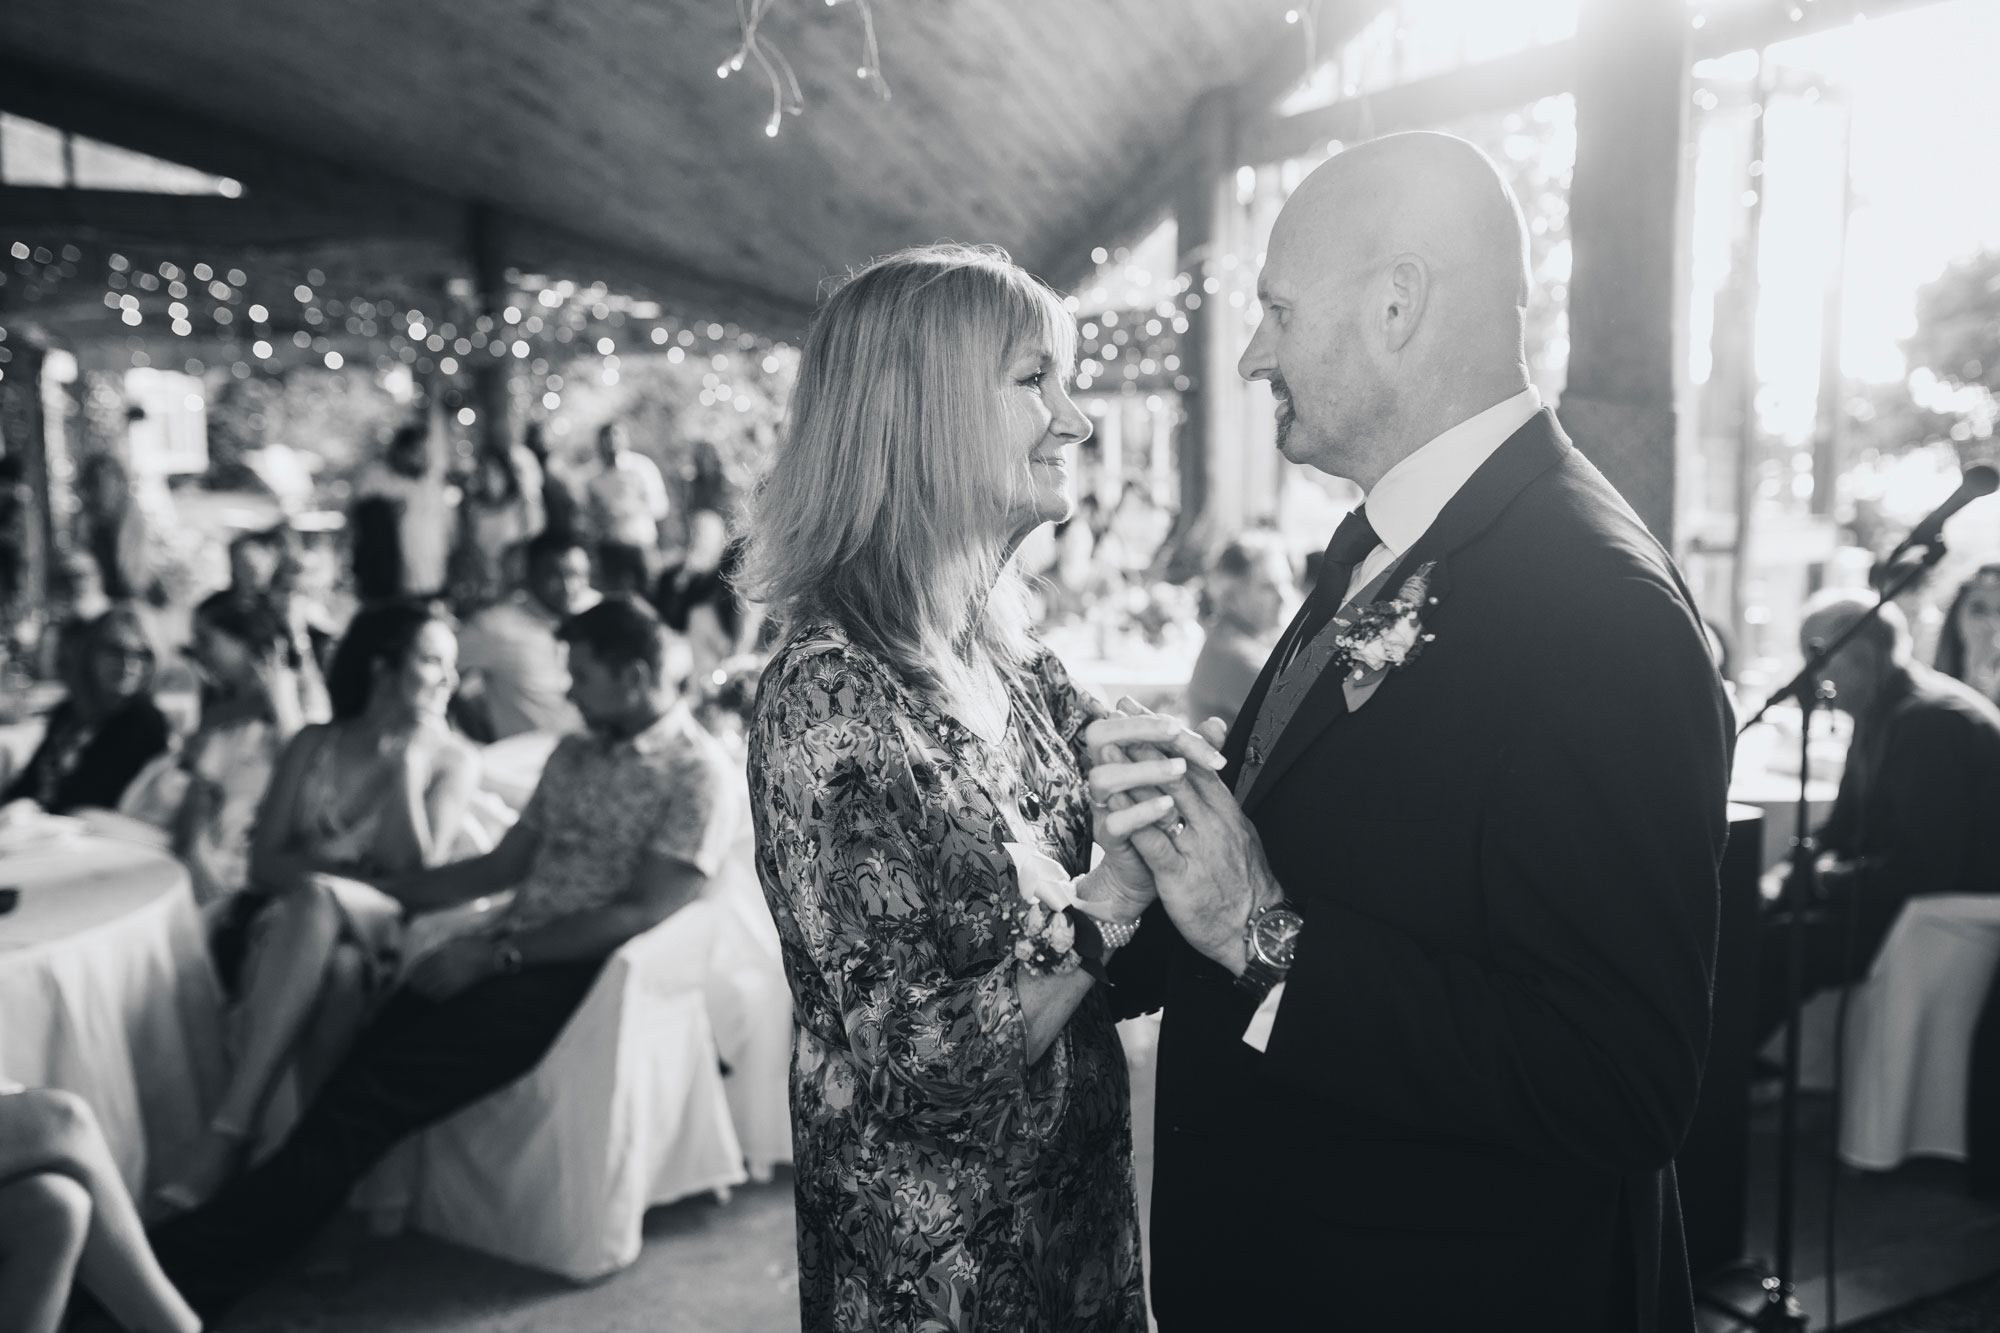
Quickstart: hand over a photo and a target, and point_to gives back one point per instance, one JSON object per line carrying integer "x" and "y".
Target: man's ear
{"x": 1409, "y": 292}
{"x": 636, "y": 678}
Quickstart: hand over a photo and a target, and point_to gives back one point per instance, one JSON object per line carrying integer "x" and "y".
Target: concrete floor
{"x": 1902, "y": 1235}
{"x": 711, "y": 1267}
{"x": 707, "y": 1267}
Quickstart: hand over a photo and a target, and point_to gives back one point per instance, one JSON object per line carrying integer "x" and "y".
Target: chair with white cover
{"x": 1910, "y": 1028}
{"x": 751, "y": 1007}
{"x": 625, "y": 1112}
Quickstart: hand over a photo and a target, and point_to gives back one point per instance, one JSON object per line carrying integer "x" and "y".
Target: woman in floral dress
{"x": 960, "y": 1108}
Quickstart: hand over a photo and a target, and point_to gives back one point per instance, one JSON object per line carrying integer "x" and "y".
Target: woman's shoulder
{"x": 455, "y": 755}
{"x": 821, "y": 658}
{"x": 821, "y": 682}
{"x": 1051, "y": 676}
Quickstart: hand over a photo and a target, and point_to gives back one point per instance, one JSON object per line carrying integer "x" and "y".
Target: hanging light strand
{"x": 871, "y": 52}
{"x": 787, "y": 99}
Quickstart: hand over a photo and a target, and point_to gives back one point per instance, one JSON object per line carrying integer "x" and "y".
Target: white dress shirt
{"x": 1401, "y": 508}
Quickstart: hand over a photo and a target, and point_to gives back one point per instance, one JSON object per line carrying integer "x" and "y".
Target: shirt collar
{"x": 1410, "y": 495}
{"x": 655, "y": 738}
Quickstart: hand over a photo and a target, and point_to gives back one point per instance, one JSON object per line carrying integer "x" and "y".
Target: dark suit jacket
{"x": 1492, "y": 1037}
{"x": 125, "y": 742}
{"x": 1917, "y": 800}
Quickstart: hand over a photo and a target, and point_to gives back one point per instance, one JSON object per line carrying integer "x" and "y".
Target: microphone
{"x": 1978, "y": 480}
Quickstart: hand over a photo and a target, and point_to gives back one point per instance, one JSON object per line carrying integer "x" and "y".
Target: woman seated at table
{"x": 107, "y": 729}
{"x": 1968, "y": 646}
{"x": 206, "y": 796}
{"x": 379, "y": 791}
{"x": 65, "y": 1217}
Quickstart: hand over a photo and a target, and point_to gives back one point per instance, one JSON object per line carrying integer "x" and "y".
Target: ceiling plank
{"x": 283, "y": 184}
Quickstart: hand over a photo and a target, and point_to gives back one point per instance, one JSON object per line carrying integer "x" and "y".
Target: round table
{"x": 106, "y": 990}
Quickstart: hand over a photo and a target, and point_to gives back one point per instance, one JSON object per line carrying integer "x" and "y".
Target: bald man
{"x": 1435, "y": 948}
{"x": 1915, "y": 810}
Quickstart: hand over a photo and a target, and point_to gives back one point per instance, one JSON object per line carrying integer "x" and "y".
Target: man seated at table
{"x": 1916, "y": 809}
{"x": 511, "y": 663}
{"x": 625, "y": 827}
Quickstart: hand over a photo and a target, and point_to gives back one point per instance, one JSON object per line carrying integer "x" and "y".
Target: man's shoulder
{"x": 1938, "y": 704}
{"x": 1568, "y": 533}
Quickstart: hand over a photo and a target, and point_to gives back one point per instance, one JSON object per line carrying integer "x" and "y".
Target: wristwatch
{"x": 1269, "y": 938}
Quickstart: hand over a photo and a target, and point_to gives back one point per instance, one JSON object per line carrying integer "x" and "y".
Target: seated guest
{"x": 1914, "y": 814}
{"x": 1249, "y": 594}
{"x": 621, "y": 569}
{"x": 411, "y": 475}
{"x": 1968, "y": 647}
{"x": 107, "y": 729}
{"x": 266, "y": 567}
{"x": 207, "y": 795}
{"x": 65, "y": 1218}
{"x": 511, "y": 661}
{"x": 696, "y": 596}
{"x": 624, "y": 828}
{"x": 379, "y": 791}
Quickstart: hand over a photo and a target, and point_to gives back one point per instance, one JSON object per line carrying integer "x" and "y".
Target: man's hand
{"x": 453, "y": 967}
{"x": 1130, "y": 769}
{"x": 1210, "y": 872}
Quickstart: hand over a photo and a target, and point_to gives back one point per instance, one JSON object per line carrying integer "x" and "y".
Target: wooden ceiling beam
{"x": 1155, "y": 183}
{"x": 1513, "y": 81}
{"x": 282, "y": 184}
{"x": 263, "y": 220}
{"x": 1510, "y": 81}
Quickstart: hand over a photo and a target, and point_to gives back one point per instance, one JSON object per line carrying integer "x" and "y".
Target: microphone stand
{"x": 1780, "y": 1311}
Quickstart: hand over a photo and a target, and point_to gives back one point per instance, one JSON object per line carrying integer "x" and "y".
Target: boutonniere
{"x": 1381, "y": 636}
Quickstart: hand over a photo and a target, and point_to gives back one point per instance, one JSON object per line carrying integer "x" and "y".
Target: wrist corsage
{"x": 1045, "y": 942}
{"x": 1057, "y": 933}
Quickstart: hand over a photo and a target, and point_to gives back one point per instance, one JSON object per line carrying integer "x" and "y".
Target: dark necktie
{"x": 1352, "y": 541}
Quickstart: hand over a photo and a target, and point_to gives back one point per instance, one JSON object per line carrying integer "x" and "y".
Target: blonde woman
{"x": 961, "y": 1117}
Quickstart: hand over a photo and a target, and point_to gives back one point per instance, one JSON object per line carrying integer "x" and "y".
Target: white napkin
{"x": 25, "y": 827}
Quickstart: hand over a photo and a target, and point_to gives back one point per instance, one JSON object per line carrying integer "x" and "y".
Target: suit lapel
{"x": 1528, "y": 452}
{"x": 1246, "y": 717}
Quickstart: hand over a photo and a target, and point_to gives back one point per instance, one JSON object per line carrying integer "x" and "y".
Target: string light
{"x": 350, "y": 331}
{"x": 786, "y": 97}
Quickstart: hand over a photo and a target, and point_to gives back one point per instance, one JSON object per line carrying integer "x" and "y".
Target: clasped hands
{"x": 1170, "y": 829}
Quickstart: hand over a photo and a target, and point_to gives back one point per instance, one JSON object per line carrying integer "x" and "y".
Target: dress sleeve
{"x": 1071, "y": 707}
{"x": 845, "y": 832}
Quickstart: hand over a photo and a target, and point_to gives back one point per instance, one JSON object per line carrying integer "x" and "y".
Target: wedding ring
{"x": 1175, "y": 829}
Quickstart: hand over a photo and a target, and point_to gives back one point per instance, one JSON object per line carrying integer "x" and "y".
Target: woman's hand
{"x": 1130, "y": 765}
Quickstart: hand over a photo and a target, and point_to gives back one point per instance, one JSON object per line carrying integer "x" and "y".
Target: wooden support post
{"x": 24, "y": 449}
{"x": 1212, "y": 130}
{"x": 1624, "y": 305}
{"x": 490, "y": 374}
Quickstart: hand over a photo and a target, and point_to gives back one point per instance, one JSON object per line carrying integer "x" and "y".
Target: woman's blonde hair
{"x": 885, "y": 507}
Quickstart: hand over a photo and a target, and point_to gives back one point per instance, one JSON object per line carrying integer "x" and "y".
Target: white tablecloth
{"x": 1777, "y": 795}
{"x": 106, "y": 990}
{"x": 17, "y": 744}
{"x": 1910, "y": 1025}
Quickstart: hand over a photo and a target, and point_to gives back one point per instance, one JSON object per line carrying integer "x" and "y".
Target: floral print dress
{"x": 943, "y": 1182}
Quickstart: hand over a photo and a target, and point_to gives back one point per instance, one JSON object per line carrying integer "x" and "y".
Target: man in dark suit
{"x": 1916, "y": 804}
{"x": 1435, "y": 948}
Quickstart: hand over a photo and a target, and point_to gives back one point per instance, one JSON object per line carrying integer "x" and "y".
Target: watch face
{"x": 1275, "y": 934}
